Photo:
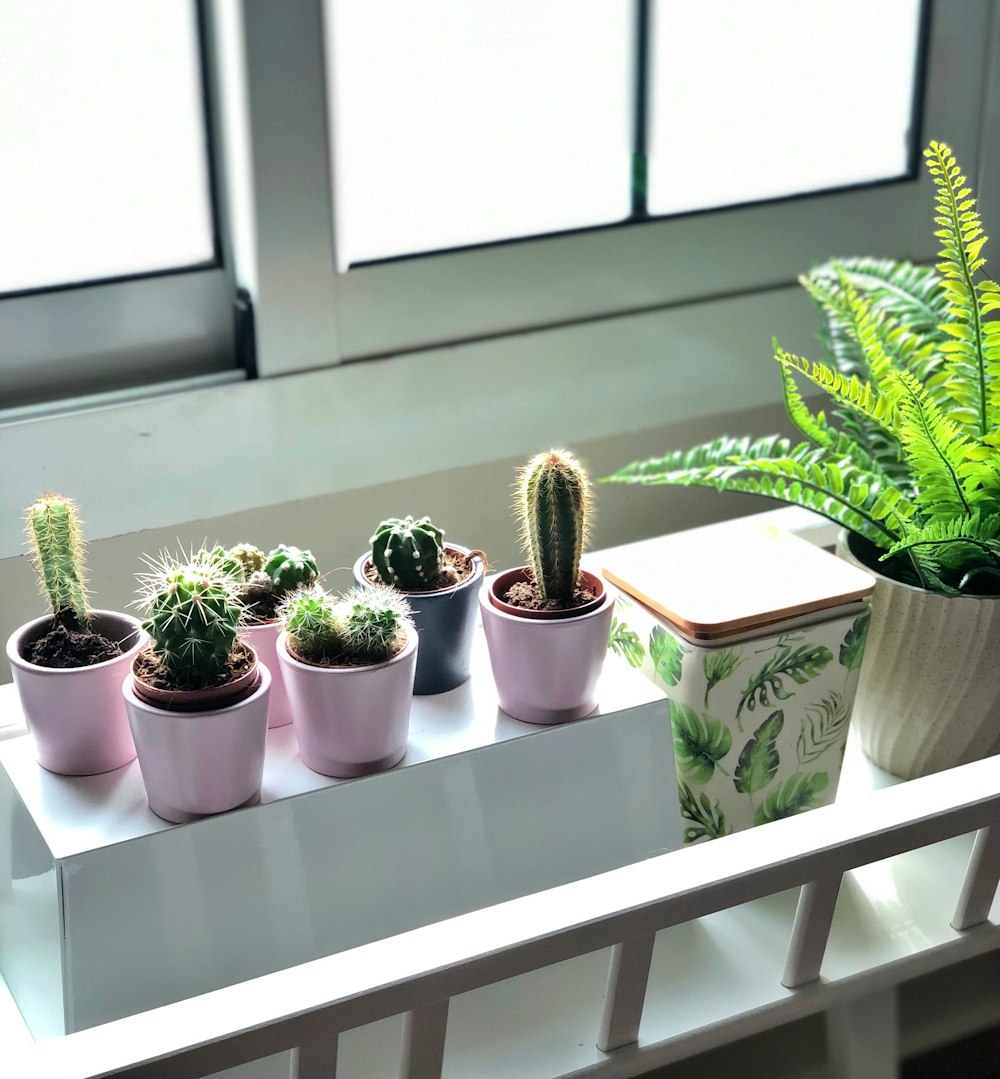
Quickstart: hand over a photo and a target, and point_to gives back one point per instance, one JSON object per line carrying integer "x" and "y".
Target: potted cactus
{"x": 267, "y": 580}
{"x": 68, "y": 666}
{"x": 547, "y": 623}
{"x": 440, "y": 582}
{"x": 349, "y": 664}
{"x": 197, "y": 698}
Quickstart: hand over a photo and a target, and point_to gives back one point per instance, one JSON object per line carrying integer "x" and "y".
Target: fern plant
{"x": 910, "y": 456}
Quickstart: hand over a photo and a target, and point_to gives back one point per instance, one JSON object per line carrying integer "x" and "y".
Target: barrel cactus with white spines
{"x": 56, "y": 541}
{"x": 408, "y": 554}
{"x": 192, "y": 614}
{"x": 553, "y": 506}
{"x": 290, "y": 568}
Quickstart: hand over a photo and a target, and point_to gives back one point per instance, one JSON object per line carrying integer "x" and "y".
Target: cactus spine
{"x": 554, "y": 504}
{"x": 193, "y": 612}
{"x": 408, "y": 554}
{"x": 375, "y": 626}
{"x": 367, "y": 625}
{"x": 250, "y": 558}
{"x": 57, "y": 554}
{"x": 314, "y": 624}
{"x": 290, "y": 568}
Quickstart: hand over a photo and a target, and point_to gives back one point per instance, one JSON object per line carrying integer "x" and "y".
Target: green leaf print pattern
{"x": 759, "y": 761}
{"x": 799, "y": 665}
{"x": 625, "y": 642}
{"x": 797, "y": 794}
{"x": 709, "y": 822}
{"x": 853, "y": 649}
{"x": 822, "y": 727}
{"x": 667, "y": 654}
{"x": 719, "y": 665}
{"x": 700, "y": 742}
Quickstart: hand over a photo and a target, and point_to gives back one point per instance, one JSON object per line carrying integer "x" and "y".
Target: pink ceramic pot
{"x": 351, "y": 721}
{"x": 546, "y": 670}
{"x": 195, "y": 764}
{"x": 263, "y": 639}
{"x": 75, "y": 715}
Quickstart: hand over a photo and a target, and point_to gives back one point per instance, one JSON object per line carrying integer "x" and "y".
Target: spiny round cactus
{"x": 251, "y": 558}
{"x": 314, "y": 622}
{"x": 408, "y": 554}
{"x": 221, "y": 559}
{"x": 376, "y": 623}
{"x": 554, "y": 505}
{"x": 56, "y": 542}
{"x": 193, "y": 612}
{"x": 290, "y": 568}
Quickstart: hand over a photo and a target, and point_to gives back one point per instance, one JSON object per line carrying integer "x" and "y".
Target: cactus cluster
{"x": 192, "y": 612}
{"x": 553, "y": 506}
{"x": 366, "y": 625}
{"x": 408, "y": 554}
{"x": 56, "y": 542}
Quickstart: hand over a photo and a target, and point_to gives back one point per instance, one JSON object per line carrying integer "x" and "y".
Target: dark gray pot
{"x": 445, "y": 622}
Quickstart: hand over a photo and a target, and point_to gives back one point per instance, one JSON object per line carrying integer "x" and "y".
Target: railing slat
{"x": 981, "y": 880}
{"x": 811, "y": 930}
{"x": 862, "y": 1038}
{"x": 317, "y": 1060}
{"x": 626, "y": 993}
{"x": 424, "y": 1031}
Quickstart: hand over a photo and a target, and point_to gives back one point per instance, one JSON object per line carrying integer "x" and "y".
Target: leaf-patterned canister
{"x": 757, "y": 638}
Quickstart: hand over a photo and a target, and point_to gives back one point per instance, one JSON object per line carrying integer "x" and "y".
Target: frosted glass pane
{"x": 457, "y": 122}
{"x": 756, "y": 99}
{"x": 103, "y": 166}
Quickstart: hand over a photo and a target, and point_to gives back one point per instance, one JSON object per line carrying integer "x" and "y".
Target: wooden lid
{"x": 732, "y": 577}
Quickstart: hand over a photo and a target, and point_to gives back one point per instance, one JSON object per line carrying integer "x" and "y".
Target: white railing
{"x": 303, "y": 1009}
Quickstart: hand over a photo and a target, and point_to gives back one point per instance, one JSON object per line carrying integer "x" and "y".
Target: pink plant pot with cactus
{"x": 351, "y": 721}
{"x": 75, "y": 715}
{"x": 545, "y": 670}
{"x": 263, "y": 639}
{"x": 196, "y": 764}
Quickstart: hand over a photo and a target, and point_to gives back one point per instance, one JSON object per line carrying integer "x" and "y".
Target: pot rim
{"x": 132, "y": 698}
{"x": 317, "y": 668}
{"x": 489, "y": 603}
{"x": 844, "y": 538}
{"x": 242, "y": 688}
{"x": 478, "y": 570}
{"x": 15, "y": 658}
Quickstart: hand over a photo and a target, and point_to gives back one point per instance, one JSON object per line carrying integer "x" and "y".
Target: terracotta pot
{"x": 196, "y": 764}
{"x": 350, "y": 721}
{"x": 445, "y": 620}
{"x": 75, "y": 715}
{"x": 198, "y": 700}
{"x": 263, "y": 639}
{"x": 522, "y": 575}
{"x": 545, "y": 670}
{"x": 929, "y": 695}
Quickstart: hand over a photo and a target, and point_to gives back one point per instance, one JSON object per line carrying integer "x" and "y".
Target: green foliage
{"x": 192, "y": 614}
{"x": 626, "y": 643}
{"x": 822, "y": 727}
{"x": 56, "y": 542}
{"x": 667, "y": 654}
{"x": 700, "y": 742}
{"x": 553, "y": 505}
{"x": 758, "y": 763}
{"x": 408, "y": 554}
{"x": 718, "y": 665}
{"x": 798, "y": 664}
{"x": 709, "y": 822}
{"x": 366, "y": 625}
{"x": 910, "y": 457}
{"x": 797, "y": 794}
{"x": 852, "y": 649}
{"x": 290, "y": 568}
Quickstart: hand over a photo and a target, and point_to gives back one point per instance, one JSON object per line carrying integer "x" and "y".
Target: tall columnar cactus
{"x": 375, "y": 626}
{"x": 553, "y": 504}
{"x": 56, "y": 542}
{"x": 290, "y": 568}
{"x": 408, "y": 554}
{"x": 193, "y": 612}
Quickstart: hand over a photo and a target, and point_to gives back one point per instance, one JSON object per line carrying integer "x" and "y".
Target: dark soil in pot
{"x": 239, "y": 680}
{"x": 64, "y": 646}
{"x": 516, "y": 592}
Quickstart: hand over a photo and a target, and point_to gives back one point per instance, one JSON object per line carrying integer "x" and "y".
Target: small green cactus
{"x": 56, "y": 542}
{"x": 193, "y": 611}
{"x": 554, "y": 506}
{"x": 408, "y": 554}
{"x": 221, "y": 559}
{"x": 290, "y": 568}
{"x": 252, "y": 559}
{"x": 367, "y": 625}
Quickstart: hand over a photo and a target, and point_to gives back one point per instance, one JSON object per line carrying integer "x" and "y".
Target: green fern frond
{"x": 968, "y": 544}
{"x": 972, "y": 357}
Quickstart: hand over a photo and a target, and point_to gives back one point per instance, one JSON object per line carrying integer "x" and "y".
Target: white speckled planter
{"x": 929, "y": 696}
